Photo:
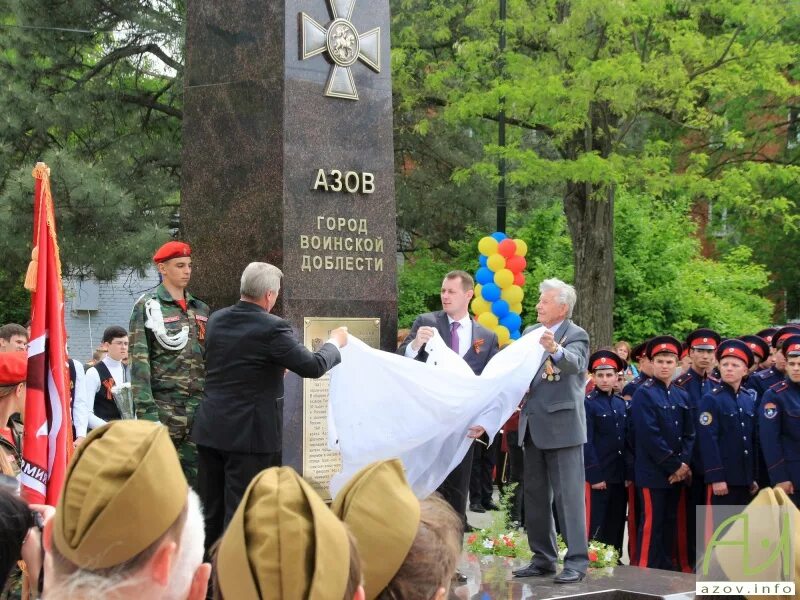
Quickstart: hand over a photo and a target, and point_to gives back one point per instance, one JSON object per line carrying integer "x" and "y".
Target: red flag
{"x": 48, "y": 429}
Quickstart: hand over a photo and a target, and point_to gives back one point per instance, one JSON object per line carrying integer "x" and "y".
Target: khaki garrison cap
{"x": 283, "y": 542}
{"x": 124, "y": 489}
{"x": 378, "y": 506}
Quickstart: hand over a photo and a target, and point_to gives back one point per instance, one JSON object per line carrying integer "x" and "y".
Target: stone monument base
{"x": 490, "y": 577}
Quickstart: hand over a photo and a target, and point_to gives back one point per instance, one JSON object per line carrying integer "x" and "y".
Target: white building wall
{"x": 91, "y": 306}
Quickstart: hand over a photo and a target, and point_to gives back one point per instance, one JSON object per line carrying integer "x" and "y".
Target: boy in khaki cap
{"x": 127, "y": 524}
{"x": 409, "y": 547}
{"x": 284, "y": 543}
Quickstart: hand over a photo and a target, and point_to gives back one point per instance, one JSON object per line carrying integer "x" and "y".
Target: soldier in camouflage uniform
{"x": 167, "y": 335}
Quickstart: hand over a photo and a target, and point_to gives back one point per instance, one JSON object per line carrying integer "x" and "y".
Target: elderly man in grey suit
{"x": 552, "y": 432}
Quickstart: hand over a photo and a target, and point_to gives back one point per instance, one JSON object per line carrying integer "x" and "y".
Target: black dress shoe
{"x": 469, "y": 528}
{"x": 477, "y": 508}
{"x": 459, "y": 577}
{"x": 490, "y": 506}
{"x": 532, "y": 571}
{"x": 569, "y": 576}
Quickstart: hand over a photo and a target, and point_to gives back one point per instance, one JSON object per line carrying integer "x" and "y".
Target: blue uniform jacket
{"x": 779, "y": 431}
{"x": 695, "y": 386}
{"x": 604, "y": 450}
{"x": 761, "y": 381}
{"x": 726, "y": 435}
{"x": 630, "y": 388}
{"x": 663, "y": 433}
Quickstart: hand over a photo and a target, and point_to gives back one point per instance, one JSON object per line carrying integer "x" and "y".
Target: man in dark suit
{"x": 473, "y": 342}
{"x": 237, "y": 426}
{"x": 552, "y": 431}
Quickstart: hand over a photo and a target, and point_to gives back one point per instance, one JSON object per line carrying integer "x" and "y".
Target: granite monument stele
{"x": 288, "y": 159}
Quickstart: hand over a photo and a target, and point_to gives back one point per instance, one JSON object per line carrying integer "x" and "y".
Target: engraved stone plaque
{"x": 319, "y": 462}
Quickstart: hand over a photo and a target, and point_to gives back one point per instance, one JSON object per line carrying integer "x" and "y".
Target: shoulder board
{"x": 648, "y": 383}
{"x": 683, "y": 379}
{"x": 779, "y": 387}
{"x": 714, "y": 379}
{"x": 766, "y": 373}
{"x": 716, "y": 390}
{"x": 194, "y": 298}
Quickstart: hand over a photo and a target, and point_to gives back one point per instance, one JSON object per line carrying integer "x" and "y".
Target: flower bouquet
{"x": 600, "y": 555}
{"x": 499, "y": 539}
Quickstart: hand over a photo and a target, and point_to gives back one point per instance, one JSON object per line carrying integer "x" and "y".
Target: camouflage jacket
{"x": 167, "y": 384}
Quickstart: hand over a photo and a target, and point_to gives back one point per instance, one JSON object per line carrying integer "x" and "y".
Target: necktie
{"x": 454, "y": 335}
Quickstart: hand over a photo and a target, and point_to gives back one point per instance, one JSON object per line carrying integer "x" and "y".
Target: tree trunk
{"x": 590, "y": 217}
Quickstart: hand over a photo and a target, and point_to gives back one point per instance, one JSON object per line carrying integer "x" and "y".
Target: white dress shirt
{"x": 91, "y": 387}
{"x": 464, "y": 337}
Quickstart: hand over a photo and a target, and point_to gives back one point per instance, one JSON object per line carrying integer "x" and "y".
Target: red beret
{"x": 172, "y": 250}
{"x": 13, "y": 367}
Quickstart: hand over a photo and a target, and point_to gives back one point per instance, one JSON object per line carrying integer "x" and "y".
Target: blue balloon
{"x": 484, "y": 276}
{"x": 515, "y": 335}
{"x": 500, "y": 309}
{"x": 490, "y": 291}
{"x": 482, "y": 259}
{"x": 512, "y": 321}
{"x": 499, "y": 236}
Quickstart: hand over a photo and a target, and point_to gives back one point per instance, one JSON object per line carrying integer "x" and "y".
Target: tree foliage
{"x": 663, "y": 283}
{"x": 94, "y": 89}
{"x": 674, "y": 99}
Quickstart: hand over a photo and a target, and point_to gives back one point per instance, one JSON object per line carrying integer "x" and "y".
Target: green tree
{"x": 94, "y": 89}
{"x": 654, "y": 95}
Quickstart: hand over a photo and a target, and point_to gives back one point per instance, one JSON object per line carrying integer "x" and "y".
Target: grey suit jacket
{"x": 484, "y": 342}
{"x": 554, "y": 411}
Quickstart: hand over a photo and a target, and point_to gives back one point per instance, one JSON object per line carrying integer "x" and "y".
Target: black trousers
{"x": 222, "y": 478}
{"x": 605, "y": 514}
{"x": 455, "y": 487}
{"x": 695, "y": 498}
{"x": 480, "y": 481}
{"x": 516, "y": 469}
{"x": 657, "y": 527}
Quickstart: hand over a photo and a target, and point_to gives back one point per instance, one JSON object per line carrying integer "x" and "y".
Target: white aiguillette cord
{"x": 155, "y": 322}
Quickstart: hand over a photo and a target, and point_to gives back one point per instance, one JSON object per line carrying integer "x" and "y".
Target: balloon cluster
{"x": 498, "y": 291}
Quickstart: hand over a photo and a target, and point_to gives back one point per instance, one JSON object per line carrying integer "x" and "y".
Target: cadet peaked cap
{"x": 791, "y": 346}
{"x": 757, "y": 345}
{"x": 378, "y": 506}
{"x": 736, "y": 349}
{"x": 606, "y": 359}
{"x": 283, "y": 542}
{"x": 783, "y": 333}
{"x": 124, "y": 489}
{"x": 639, "y": 350}
{"x": 766, "y": 334}
{"x": 703, "y": 339}
{"x": 661, "y": 344}
{"x": 172, "y": 250}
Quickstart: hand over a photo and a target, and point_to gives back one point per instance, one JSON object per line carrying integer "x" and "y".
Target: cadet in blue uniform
{"x": 766, "y": 378}
{"x": 604, "y": 452}
{"x": 638, "y": 354}
{"x": 726, "y": 432}
{"x": 779, "y": 424}
{"x": 696, "y": 382}
{"x": 664, "y": 437}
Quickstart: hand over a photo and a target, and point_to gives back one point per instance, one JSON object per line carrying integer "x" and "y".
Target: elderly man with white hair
{"x": 127, "y": 524}
{"x": 237, "y": 428}
{"x": 552, "y": 432}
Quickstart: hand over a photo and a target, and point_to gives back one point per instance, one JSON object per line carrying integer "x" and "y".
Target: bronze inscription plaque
{"x": 319, "y": 462}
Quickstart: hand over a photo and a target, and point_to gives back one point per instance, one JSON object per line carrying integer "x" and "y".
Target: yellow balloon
{"x": 503, "y": 335}
{"x": 496, "y": 262}
{"x": 517, "y": 308}
{"x": 480, "y": 306}
{"x": 522, "y": 247}
{"x": 488, "y": 320}
{"x": 487, "y": 246}
{"x": 513, "y": 295}
{"x": 478, "y": 288}
{"x": 505, "y": 279}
